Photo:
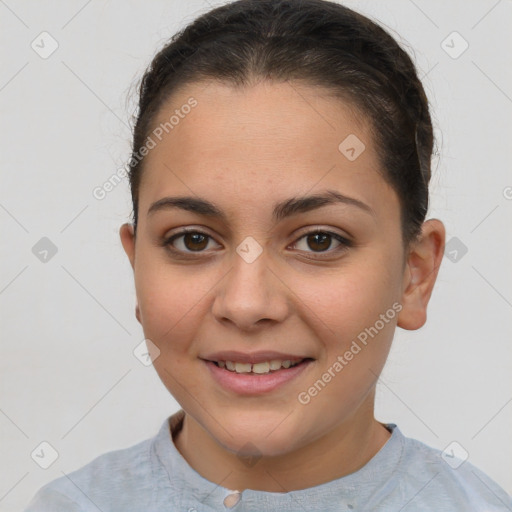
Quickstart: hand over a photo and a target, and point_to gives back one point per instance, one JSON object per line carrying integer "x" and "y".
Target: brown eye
{"x": 322, "y": 241}
{"x": 195, "y": 241}
{"x": 188, "y": 242}
{"x": 319, "y": 241}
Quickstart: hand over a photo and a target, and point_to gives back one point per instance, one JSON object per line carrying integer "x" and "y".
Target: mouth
{"x": 243, "y": 378}
{"x": 262, "y": 368}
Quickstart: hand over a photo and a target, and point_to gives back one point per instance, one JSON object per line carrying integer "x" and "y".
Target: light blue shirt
{"x": 152, "y": 476}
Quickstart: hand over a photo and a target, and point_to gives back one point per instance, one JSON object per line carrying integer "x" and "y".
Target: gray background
{"x": 68, "y": 373}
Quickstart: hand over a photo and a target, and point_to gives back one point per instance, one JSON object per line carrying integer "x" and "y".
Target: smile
{"x": 256, "y": 378}
{"x": 257, "y": 368}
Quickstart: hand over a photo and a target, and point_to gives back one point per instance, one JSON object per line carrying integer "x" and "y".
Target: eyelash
{"x": 345, "y": 243}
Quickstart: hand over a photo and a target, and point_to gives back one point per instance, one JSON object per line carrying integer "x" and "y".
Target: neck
{"x": 340, "y": 452}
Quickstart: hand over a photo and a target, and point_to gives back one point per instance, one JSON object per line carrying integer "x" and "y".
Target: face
{"x": 263, "y": 270}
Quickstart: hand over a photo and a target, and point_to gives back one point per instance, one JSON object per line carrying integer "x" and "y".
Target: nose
{"x": 251, "y": 295}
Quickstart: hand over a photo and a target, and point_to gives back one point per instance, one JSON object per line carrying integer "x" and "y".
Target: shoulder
{"x": 433, "y": 478}
{"x": 113, "y": 479}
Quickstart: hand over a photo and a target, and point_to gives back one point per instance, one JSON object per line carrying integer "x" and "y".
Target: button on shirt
{"x": 405, "y": 475}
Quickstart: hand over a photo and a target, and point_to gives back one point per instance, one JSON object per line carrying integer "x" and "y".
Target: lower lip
{"x": 255, "y": 384}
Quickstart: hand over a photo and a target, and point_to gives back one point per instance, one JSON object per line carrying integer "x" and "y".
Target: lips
{"x": 252, "y": 383}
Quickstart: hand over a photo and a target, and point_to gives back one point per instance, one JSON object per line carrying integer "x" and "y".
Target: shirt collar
{"x": 361, "y": 484}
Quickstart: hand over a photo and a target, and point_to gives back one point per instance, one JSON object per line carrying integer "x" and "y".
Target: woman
{"x": 279, "y": 178}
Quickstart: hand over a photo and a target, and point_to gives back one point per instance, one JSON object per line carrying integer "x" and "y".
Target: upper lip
{"x": 253, "y": 357}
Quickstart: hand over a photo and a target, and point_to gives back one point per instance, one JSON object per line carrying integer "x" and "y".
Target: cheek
{"x": 352, "y": 298}
{"x": 169, "y": 299}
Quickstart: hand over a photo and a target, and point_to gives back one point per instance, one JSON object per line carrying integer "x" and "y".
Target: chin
{"x": 256, "y": 448}
{"x": 257, "y": 439}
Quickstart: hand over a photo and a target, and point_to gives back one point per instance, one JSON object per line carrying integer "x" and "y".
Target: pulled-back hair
{"x": 317, "y": 42}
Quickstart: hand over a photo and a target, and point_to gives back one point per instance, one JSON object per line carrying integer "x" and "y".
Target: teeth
{"x": 275, "y": 364}
{"x": 258, "y": 368}
{"x": 243, "y": 367}
{"x": 261, "y": 368}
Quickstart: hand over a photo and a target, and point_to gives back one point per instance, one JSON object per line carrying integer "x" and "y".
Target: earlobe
{"x": 127, "y": 235}
{"x": 422, "y": 267}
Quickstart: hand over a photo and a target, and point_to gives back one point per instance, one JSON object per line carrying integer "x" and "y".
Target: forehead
{"x": 259, "y": 143}
{"x": 269, "y": 119}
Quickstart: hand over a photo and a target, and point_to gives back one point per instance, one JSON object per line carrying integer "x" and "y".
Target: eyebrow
{"x": 282, "y": 210}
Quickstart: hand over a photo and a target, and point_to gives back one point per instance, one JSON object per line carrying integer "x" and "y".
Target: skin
{"x": 244, "y": 150}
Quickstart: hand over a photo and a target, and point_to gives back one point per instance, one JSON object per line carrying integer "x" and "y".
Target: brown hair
{"x": 318, "y": 42}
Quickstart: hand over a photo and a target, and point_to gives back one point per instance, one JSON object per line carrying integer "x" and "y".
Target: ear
{"x": 420, "y": 274}
{"x": 126, "y": 232}
{"x": 127, "y": 235}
